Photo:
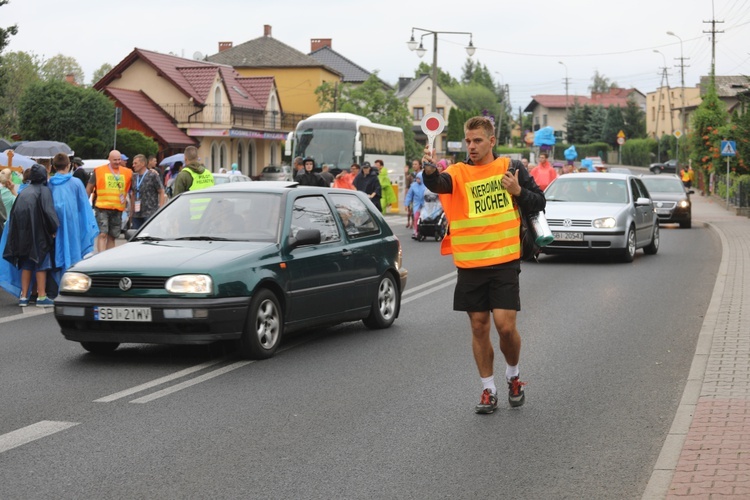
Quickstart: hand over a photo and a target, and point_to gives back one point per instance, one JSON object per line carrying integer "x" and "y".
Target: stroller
{"x": 432, "y": 221}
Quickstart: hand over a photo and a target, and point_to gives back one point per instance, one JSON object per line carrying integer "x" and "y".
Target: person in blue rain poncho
{"x": 415, "y": 198}
{"x": 78, "y": 229}
{"x": 28, "y": 241}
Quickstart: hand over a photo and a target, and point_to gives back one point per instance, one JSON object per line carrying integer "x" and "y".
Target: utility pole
{"x": 683, "y": 122}
{"x": 664, "y": 77}
{"x": 713, "y": 32}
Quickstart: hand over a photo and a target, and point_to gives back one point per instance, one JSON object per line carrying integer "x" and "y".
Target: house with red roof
{"x": 552, "y": 110}
{"x": 181, "y": 102}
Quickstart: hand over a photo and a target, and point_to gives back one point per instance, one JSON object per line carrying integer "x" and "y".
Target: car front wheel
{"x": 628, "y": 253}
{"x": 264, "y": 327}
{"x": 385, "y": 304}
{"x": 653, "y": 247}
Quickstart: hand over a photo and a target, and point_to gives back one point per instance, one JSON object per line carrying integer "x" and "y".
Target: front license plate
{"x": 662, "y": 211}
{"x": 567, "y": 236}
{"x": 122, "y": 313}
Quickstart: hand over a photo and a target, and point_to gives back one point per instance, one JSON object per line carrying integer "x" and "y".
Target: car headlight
{"x": 190, "y": 283}
{"x": 605, "y": 223}
{"x": 684, "y": 203}
{"x": 75, "y": 282}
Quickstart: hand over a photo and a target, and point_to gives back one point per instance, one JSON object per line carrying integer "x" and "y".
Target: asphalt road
{"x": 350, "y": 413}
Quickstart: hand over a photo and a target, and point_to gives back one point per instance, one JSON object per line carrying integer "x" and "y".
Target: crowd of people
{"x": 57, "y": 213}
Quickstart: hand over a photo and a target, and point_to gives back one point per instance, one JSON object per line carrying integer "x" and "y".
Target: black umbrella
{"x": 43, "y": 149}
{"x": 5, "y": 145}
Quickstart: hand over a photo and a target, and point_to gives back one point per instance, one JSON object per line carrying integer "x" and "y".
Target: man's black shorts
{"x": 484, "y": 289}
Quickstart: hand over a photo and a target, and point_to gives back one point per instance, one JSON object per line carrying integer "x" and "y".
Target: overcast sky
{"x": 521, "y": 43}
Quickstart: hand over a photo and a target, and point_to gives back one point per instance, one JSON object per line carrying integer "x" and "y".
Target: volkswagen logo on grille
{"x": 567, "y": 223}
{"x": 125, "y": 284}
{"x": 659, "y": 204}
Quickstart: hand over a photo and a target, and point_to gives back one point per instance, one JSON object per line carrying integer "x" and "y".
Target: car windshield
{"x": 220, "y": 180}
{"x": 660, "y": 185}
{"x": 202, "y": 215}
{"x": 570, "y": 188}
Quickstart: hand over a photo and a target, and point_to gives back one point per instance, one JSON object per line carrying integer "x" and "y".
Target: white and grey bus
{"x": 340, "y": 139}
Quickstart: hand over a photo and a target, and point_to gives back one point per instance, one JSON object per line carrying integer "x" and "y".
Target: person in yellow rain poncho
{"x": 387, "y": 197}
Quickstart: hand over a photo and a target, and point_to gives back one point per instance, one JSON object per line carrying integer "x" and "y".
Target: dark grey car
{"x": 671, "y": 199}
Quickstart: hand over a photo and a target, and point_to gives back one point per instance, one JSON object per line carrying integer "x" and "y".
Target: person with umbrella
{"x": 28, "y": 241}
{"x": 111, "y": 183}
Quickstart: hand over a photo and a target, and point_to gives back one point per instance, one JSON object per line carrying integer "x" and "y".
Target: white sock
{"x": 510, "y": 372}
{"x": 489, "y": 383}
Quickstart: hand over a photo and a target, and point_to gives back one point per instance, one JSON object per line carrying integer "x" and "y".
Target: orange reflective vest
{"x": 484, "y": 222}
{"x": 112, "y": 187}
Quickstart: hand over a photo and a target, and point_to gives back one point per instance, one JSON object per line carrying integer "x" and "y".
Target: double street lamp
{"x": 412, "y": 44}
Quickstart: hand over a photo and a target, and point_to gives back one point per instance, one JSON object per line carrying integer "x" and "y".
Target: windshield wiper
{"x": 146, "y": 237}
{"x": 202, "y": 238}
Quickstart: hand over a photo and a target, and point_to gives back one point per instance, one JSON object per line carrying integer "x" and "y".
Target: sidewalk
{"x": 707, "y": 452}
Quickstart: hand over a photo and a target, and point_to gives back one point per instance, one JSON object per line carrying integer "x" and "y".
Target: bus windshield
{"x": 329, "y": 146}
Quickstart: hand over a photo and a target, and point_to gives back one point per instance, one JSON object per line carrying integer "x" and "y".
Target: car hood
{"x": 657, "y": 196}
{"x": 171, "y": 257}
{"x": 572, "y": 210}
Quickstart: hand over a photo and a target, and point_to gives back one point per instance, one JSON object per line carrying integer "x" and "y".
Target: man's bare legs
{"x": 510, "y": 340}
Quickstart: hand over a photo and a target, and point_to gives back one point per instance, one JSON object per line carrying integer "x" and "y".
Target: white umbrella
{"x": 171, "y": 160}
{"x": 18, "y": 160}
{"x": 43, "y": 149}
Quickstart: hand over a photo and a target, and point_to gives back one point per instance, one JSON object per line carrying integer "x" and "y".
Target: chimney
{"x": 224, "y": 46}
{"x": 319, "y": 43}
{"x": 267, "y": 30}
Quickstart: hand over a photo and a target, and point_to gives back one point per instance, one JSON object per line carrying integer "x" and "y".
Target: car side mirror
{"x": 305, "y": 237}
{"x": 642, "y": 202}
{"x": 129, "y": 234}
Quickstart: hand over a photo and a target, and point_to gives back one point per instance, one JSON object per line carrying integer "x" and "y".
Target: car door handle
{"x": 346, "y": 252}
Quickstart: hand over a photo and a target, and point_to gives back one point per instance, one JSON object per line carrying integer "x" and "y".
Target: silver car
{"x": 276, "y": 173}
{"x": 599, "y": 213}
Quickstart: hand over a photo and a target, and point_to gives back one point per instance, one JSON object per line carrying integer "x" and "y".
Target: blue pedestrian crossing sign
{"x": 728, "y": 148}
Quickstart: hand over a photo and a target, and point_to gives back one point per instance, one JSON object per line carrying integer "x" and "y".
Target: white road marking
{"x": 31, "y": 433}
{"x": 154, "y": 383}
{"x": 191, "y": 382}
{"x": 427, "y": 292}
{"x": 450, "y": 276}
{"x": 27, "y": 312}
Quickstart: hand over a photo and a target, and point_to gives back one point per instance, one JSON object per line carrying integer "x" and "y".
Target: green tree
{"x": 133, "y": 142}
{"x": 576, "y": 123}
{"x": 600, "y": 84}
{"x": 444, "y": 79}
{"x": 100, "y": 73}
{"x": 57, "y": 111}
{"x": 635, "y": 121}
{"x": 58, "y": 67}
{"x": 5, "y": 33}
{"x": 614, "y": 122}
{"x": 476, "y": 73}
{"x": 741, "y": 131}
{"x": 595, "y": 124}
{"x": 22, "y": 69}
{"x": 475, "y": 98}
{"x": 328, "y": 95}
{"x": 705, "y": 140}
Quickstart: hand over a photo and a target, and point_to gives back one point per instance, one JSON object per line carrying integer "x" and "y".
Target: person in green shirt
{"x": 387, "y": 196}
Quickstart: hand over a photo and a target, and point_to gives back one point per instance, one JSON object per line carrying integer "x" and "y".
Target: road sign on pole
{"x": 728, "y": 148}
{"x": 432, "y": 125}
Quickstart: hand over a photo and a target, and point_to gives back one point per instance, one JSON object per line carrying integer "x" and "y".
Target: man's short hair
{"x": 379, "y": 162}
{"x": 298, "y": 160}
{"x": 191, "y": 154}
{"x": 482, "y": 122}
{"x": 60, "y": 161}
{"x": 141, "y": 157}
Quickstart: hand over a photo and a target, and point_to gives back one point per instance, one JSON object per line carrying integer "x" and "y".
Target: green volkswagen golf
{"x": 244, "y": 262}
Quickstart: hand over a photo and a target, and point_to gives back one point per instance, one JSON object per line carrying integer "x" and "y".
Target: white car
{"x": 601, "y": 213}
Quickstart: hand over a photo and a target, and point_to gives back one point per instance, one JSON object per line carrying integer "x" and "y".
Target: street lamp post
{"x": 566, "y": 93}
{"x": 682, "y": 92}
{"x": 412, "y": 44}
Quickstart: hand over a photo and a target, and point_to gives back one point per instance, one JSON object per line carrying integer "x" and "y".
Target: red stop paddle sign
{"x": 432, "y": 125}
